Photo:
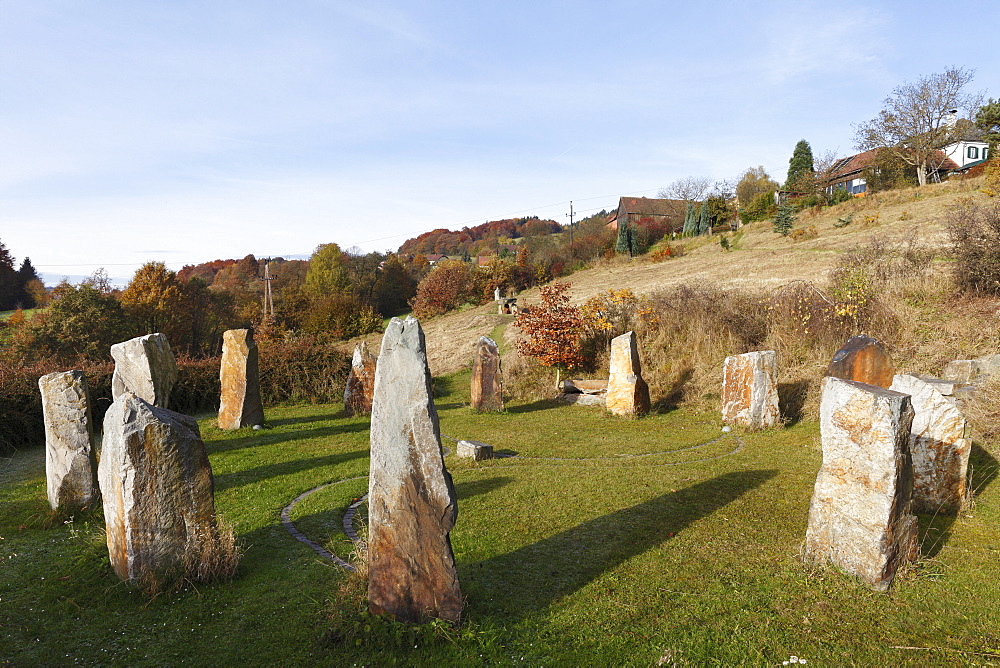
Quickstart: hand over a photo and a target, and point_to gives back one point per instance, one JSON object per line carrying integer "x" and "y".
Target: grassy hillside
{"x": 607, "y": 542}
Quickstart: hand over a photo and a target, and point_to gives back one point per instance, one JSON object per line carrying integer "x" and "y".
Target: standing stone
{"x": 157, "y": 487}
{"x": 938, "y": 446}
{"x": 862, "y": 359}
{"x": 239, "y": 376}
{"x": 70, "y": 452}
{"x": 487, "y": 383}
{"x": 146, "y": 367}
{"x": 860, "y": 517}
{"x": 750, "y": 390}
{"x": 360, "y": 382}
{"x": 628, "y": 393}
{"x": 412, "y": 503}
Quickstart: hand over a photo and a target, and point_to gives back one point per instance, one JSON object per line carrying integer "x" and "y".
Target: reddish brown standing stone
{"x": 487, "y": 383}
{"x": 628, "y": 394}
{"x": 863, "y": 360}
{"x": 360, "y": 384}
{"x": 239, "y": 376}
{"x": 412, "y": 503}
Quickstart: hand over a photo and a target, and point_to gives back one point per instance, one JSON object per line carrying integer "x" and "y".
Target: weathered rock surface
{"x": 412, "y": 503}
{"x": 860, "y": 517}
{"x": 146, "y": 367}
{"x": 938, "y": 446}
{"x": 967, "y": 371}
{"x": 628, "y": 393}
{"x": 474, "y": 450}
{"x": 360, "y": 384}
{"x": 585, "y": 386}
{"x": 70, "y": 449}
{"x": 582, "y": 399}
{"x": 862, "y": 359}
{"x": 157, "y": 488}
{"x": 239, "y": 374}
{"x": 487, "y": 381}
{"x": 750, "y": 390}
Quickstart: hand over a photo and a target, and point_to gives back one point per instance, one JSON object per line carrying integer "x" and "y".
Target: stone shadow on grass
{"x": 673, "y": 397}
{"x": 334, "y": 415}
{"x": 248, "y": 476}
{"x": 259, "y": 439}
{"x": 935, "y": 527}
{"x": 470, "y": 488}
{"x": 540, "y": 405}
{"x": 530, "y": 579}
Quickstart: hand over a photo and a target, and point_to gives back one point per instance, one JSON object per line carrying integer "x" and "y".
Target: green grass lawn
{"x": 574, "y": 553}
{"x": 28, "y": 313}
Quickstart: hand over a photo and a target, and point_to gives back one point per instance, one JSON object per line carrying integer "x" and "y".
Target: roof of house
{"x": 644, "y": 206}
{"x": 854, "y": 164}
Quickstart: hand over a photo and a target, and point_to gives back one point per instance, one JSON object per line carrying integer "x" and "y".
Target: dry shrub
{"x": 982, "y": 410}
{"x": 804, "y": 233}
{"x": 210, "y": 555}
{"x": 974, "y": 230}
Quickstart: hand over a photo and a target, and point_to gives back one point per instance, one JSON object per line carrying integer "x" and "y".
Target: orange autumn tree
{"x": 552, "y": 330}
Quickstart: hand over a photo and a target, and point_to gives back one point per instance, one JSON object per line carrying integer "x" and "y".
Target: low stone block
{"x": 627, "y": 393}
{"x": 239, "y": 375}
{"x": 157, "y": 487}
{"x": 585, "y": 386}
{"x": 750, "y": 390}
{"x": 144, "y": 366}
{"x": 487, "y": 380}
{"x": 938, "y": 447}
{"x": 860, "y": 517}
{"x": 582, "y": 399}
{"x": 474, "y": 450}
{"x": 70, "y": 448}
{"x": 360, "y": 382}
{"x": 961, "y": 371}
{"x": 862, "y": 359}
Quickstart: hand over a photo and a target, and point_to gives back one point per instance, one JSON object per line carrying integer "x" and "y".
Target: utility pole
{"x": 570, "y": 214}
{"x": 268, "y": 298}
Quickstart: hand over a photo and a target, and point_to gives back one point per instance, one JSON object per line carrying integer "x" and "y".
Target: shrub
{"x": 991, "y": 182}
{"x": 784, "y": 219}
{"x": 760, "y": 207}
{"x": 447, "y": 286}
{"x": 611, "y": 314}
{"x": 340, "y": 316}
{"x": 974, "y": 230}
{"x": 804, "y": 233}
{"x": 552, "y": 330}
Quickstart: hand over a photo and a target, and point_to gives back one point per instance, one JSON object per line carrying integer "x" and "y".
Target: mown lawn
{"x": 573, "y": 553}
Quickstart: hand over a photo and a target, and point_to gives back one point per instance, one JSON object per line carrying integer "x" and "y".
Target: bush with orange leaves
{"x": 552, "y": 330}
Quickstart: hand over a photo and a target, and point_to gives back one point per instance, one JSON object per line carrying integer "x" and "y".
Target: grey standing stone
{"x": 157, "y": 488}
{"x": 938, "y": 446}
{"x": 750, "y": 390}
{"x": 239, "y": 377}
{"x": 860, "y": 517}
{"x": 411, "y": 498}
{"x": 486, "y": 391}
{"x": 70, "y": 449}
{"x": 146, "y": 367}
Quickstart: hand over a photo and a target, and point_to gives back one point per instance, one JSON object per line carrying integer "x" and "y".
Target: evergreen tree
{"x": 25, "y": 275}
{"x": 784, "y": 219}
{"x": 626, "y": 238}
{"x": 988, "y": 120}
{"x": 8, "y": 280}
{"x": 690, "y": 221}
{"x": 704, "y": 220}
{"x": 800, "y": 166}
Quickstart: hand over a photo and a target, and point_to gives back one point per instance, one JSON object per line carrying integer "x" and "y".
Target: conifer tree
{"x": 784, "y": 219}
{"x": 704, "y": 220}
{"x": 800, "y": 166}
{"x": 626, "y": 238}
{"x": 690, "y": 221}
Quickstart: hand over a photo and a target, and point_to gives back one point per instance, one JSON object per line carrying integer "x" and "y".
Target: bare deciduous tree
{"x": 689, "y": 188}
{"x": 916, "y": 121}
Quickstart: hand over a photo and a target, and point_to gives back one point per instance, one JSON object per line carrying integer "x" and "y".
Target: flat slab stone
{"x": 967, "y": 371}
{"x": 239, "y": 376}
{"x": 945, "y": 387}
{"x": 585, "y": 386}
{"x": 582, "y": 399}
{"x": 411, "y": 499}
{"x": 628, "y": 393}
{"x": 157, "y": 487}
{"x": 487, "y": 379}
{"x": 474, "y": 450}
{"x": 360, "y": 385}
{"x": 750, "y": 390}
{"x": 70, "y": 448}
{"x": 938, "y": 447}
{"x": 862, "y": 359}
{"x": 146, "y": 367}
{"x": 860, "y": 516}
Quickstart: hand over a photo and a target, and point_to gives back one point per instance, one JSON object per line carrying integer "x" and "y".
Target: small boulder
{"x": 474, "y": 450}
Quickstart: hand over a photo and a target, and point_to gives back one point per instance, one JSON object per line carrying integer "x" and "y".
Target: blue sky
{"x": 189, "y": 131}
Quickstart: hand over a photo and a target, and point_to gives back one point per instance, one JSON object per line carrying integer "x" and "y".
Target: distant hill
{"x": 479, "y": 240}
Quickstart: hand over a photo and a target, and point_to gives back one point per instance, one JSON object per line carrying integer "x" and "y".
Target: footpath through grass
{"x": 583, "y": 554}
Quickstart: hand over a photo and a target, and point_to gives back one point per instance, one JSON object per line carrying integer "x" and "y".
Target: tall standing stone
{"x": 360, "y": 382}
{"x": 70, "y": 452}
{"x": 862, "y": 359}
{"x": 860, "y": 517}
{"x": 938, "y": 446}
{"x": 628, "y": 393}
{"x": 750, "y": 390}
{"x": 487, "y": 382}
{"x": 157, "y": 488}
{"x": 239, "y": 375}
{"x": 146, "y": 367}
{"x": 411, "y": 499}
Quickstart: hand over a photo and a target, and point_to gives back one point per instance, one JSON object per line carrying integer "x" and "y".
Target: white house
{"x": 966, "y": 153}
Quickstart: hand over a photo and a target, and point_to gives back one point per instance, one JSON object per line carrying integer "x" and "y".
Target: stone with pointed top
{"x": 70, "y": 448}
{"x": 750, "y": 390}
{"x": 412, "y": 502}
{"x": 360, "y": 382}
{"x": 860, "y": 517}
{"x": 627, "y": 393}
{"x": 239, "y": 377}
{"x": 487, "y": 382}
{"x": 864, "y": 360}
{"x": 146, "y": 367}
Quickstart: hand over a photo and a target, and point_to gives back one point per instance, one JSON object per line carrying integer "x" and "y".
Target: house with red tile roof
{"x": 634, "y": 209}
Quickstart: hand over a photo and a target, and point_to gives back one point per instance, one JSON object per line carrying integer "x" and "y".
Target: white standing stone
{"x": 750, "y": 390}
{"x": 860, "y": 517}
{"x": 938, "y": 446}
{"x": 70, "y": 452}
{"x": 146, "y": 367}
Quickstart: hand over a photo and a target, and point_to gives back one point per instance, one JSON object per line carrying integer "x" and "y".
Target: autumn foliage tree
{"x": 552, "y": 330}
{"x": 447, "y": 286}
